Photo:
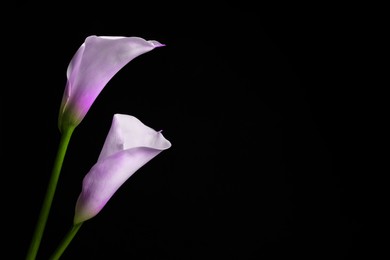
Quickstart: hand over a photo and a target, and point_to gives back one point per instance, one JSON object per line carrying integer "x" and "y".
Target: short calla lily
{"x": 97, "y": 60}
{"x": 129, "y": 145}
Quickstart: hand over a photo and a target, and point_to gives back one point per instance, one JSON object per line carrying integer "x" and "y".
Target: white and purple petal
{"x": 97, "y": 60}
{"x": 129, "y": 145}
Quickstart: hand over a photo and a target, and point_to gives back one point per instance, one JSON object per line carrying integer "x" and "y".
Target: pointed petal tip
{"x": 157, "y": 44}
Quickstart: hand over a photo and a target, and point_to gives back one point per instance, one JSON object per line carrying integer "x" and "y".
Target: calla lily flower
{"x": 129, "y": 145}
{"x": 97, "y": 60}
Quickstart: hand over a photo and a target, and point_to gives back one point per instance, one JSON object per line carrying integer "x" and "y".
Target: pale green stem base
{"x": 40, "y": 227}
{"x": 65, "y": 242}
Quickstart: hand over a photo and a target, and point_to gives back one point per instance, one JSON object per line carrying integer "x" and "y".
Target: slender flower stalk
{"x": 66, "y": 241}
{"x": 51, "y": 188}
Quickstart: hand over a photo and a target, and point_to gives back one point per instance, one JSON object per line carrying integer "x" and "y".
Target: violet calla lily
{"x": 97, "y": 60}
{"x": 129, "y": 145}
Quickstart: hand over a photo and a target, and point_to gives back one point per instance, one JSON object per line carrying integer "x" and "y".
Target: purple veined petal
{"x": 96, "y": 61}
{"x": 129, "y": 145}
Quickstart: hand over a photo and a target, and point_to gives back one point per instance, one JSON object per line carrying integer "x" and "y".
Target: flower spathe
{"x": 96, "y": 61}
{"x": 129, "y": 145}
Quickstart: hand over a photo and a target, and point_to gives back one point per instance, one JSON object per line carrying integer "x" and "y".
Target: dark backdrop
{"x": 256, "y": 104}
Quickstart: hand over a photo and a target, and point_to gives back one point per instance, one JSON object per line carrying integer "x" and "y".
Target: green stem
{"x": 40, "y": 227}
{"x": 66, "y": 241}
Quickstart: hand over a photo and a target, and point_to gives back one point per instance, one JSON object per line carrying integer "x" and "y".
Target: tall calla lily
{"x": 97, "y": 60}
{"x": 129, "y": 145}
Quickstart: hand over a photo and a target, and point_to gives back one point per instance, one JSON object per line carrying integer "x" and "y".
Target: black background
{"x": 256, "y": 102}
